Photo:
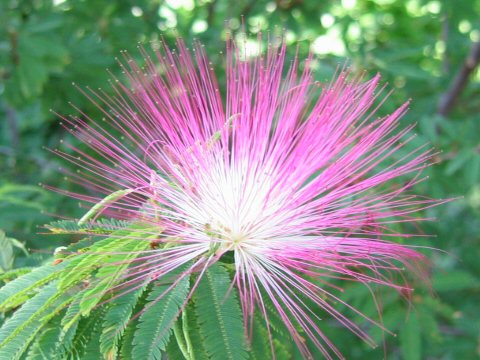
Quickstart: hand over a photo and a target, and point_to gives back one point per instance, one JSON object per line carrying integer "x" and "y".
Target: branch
{"x": 211, "y": 13}
{"x": 460, "y": 81}
{"x": 12, "y": 121}
{"x": 13, "y": 36}
{"x": 247, "y": 8}
{"x": 445, "y": 35}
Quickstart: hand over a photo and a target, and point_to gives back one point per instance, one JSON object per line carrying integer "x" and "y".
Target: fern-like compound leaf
{"x": 155, "y": 325}
{"x": 116, "y": 320}
{"x": 219, "y": 316}
{"x": 16, "y": 292}
{"x": 19, "y": 330}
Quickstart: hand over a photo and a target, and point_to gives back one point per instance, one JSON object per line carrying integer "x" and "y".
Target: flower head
{"x": 293, "y": 177}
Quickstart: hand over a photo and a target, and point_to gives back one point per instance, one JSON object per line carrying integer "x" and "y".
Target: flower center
{"x": 236, "y": 240}
{"x": 224, "y": 239}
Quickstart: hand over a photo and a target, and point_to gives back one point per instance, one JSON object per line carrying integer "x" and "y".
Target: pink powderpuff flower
{"x": 293, "y": 177}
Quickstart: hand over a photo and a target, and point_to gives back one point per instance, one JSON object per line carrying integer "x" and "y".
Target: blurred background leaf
{"x": 420, "y": 47}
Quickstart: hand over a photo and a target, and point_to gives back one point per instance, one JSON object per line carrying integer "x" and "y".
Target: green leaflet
{"x": 283, "y": 344}
{"x": 173, "y": 351}
{"x": 92, "y": 345}
{"x": 196, "y": 338}
{"x": 66, "y": 338}
{"x": 79, "y": 247}
{"x": 275, "y": 321}
{"x": 113, "y": 257}
{"x": 154, "y": 326}
{"x": 100, "y": 252}
{"x": 73, "y": 314}
{"x": 110, "y": 272}
{"x": 126, "y": 346}
{"x": 110, "y": 256}
{"x": 259, "y": 346}
{"x": 53, "y": 342}
{"x": 86, "y": 338}
{"x": 84, "y": 264}
{"x": 220, "y": 318}
{"x": 14, "y": 274}
{"x": 19, "y": 330}
{"x": 104, "y": 203}
{"x": 411, "y": 338}
{"x": 48, "y": 342}
{"x": 21, "y": 289}
{"x": 116, "y": 320}
{"x": 7, "y": 255}
{"x": 101, "y": 226}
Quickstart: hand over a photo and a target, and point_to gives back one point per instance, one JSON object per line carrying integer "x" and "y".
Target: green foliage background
{"x": 418, "y": 45}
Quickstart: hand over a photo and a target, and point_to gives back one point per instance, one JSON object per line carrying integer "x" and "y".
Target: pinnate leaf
{"x": 219, "y": 316}
{"x": 155, "y": 325}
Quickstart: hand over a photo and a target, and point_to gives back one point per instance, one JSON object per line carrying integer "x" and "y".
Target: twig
{"x": 460, "y": 81}
{"x": 12, "y": 121}
{"x": 445, "y": 35}
{"x": 211, "y": 13}
{"x": 13, "y": 35}
{"x": 247, "y": 9}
